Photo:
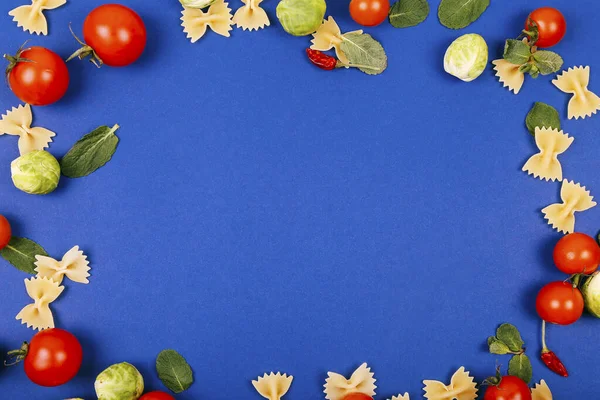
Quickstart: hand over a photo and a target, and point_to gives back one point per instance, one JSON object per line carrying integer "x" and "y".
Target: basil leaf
{"x": 364, "y": 53}
{"x": 547, "y": 62}
{"x": 542, "y": 115}
{"x": 520, "y": 366}
{"x": 90, "y": 152}
{"x": 406, "y": 13}
{"x": 510, "y": 335}
{"x": 516, "y": 51}
{"x": 458, "y": 14}
{"x": 21, "y": 252}
{"x": 174, "y": 372}
{"x": 497, "y": 346}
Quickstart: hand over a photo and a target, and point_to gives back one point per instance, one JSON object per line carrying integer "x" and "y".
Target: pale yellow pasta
{"x": 405, "y": 396}
{"x": 361, "y": 381}
{"x": 575, "y": 81}
{"x": 509, "y": 75}
{"x": 218, "y": 18}
{"x": 17, "y": 122}
{"x": 74, "y": 265}
{"x": 273, "y": 386}
{"x": 545, "y": 164}
{"x": 462, "y": 387}
{"x": 31, "y": 17}
{"x": 574, "y": 198}
{"x": 541, "y": 391}
{"x": 329, "y": 36}
{"x": 43, "y": 291}
{"x": 251, "y": 16}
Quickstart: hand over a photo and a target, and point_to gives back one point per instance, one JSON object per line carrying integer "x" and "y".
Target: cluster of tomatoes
{"x": 113, "y": 34}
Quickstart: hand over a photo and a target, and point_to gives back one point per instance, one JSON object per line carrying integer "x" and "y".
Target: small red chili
{"x": 553, "y": 363}
{"x": 321, "y": 59}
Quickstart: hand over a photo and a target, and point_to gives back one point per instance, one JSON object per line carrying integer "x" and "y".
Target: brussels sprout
{"x": 36, "y": 172}
{"x": 119, "y": 382}
{"x": 591, "y": 294}
{"x": 301, "y": 17}
{"x": 467, "y": 57}
{"x": 196, "y": 3}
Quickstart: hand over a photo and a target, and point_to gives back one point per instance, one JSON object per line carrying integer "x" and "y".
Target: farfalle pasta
{"x": 462, "y": 387}
{"x": 545, "y": 164}
{"x": 74, "y": 265}
{"x": 251, "y": 16}
{"x": 361, "y": 381}
{"x": 31, "y": 17}
{"x": 43, "y": 291}
{"x": 509, "y": 75}
{"x": 404, "y": 396}
{"x": 17, "y": 122}
{"x": 218, "y": 18}
{"x": 329, "y": 36}
{"x": 541, "y": 391}
{"x": 273, "y": 386}
{"x": 574, "y": 198}
{"x": 575, "y": 81}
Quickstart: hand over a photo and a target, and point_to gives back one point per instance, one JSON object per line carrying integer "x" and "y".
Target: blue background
{"x": 261, "y": 214}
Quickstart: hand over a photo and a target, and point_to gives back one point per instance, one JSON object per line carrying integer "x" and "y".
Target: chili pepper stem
{"x": 544, "y": 347}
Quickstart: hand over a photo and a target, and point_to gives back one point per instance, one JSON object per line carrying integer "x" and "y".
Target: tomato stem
{"x": 14, "y": 357}
{"x": 85, "y": 51}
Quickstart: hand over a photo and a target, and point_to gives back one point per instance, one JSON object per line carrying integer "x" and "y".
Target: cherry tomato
{"x": 559, "y": 303}
{"x": 157, "y": 395}
{"x": 38, "y": 76}
{"x": 551, "y": 26}
{"x": 577, "y": 253}
{"x": 5, "y": 232}
{"x": 357, "y": 396}
{"x": 53, "y": 357}
{"x": 509, "y": 388}
{"x": 369, "y": 12}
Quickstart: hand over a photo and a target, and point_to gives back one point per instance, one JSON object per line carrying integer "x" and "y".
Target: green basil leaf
{"x": 364, "y": 53}
{"x": 520, "y": 366}
{"x": 406, "y": 13}
{"x": 542, "y": 115}
{"x": 547, "y": 62}
{"x": 90, "y": 152}
{"x": 510, "y": 335}
{"x": 498, "y": 346}
{"x": 21, "y": 252}
{"x": 458, "y": 14}
{"x": 516, "y": 51}
{"x": 174, "y": 372}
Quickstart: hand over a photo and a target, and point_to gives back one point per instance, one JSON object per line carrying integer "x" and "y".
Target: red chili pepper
{"x": 553, "y": 363}
{"x": 321, "y": 59}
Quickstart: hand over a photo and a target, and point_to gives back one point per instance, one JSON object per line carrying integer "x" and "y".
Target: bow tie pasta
{"x": 251, "y": 16}
{"x": 273, "y": 386}
{"x": 462, "y": 387}
{"x": 17, "y": 122}
{"x": 405, "y": 396}
{"x": 74, "y": 265}
{"x": 361, "y": 381}
{"x": 509, "y": 75}
{"x": 545, "y": 164}
{"x": 541, "y": 391}
{"x": 43, "y": 291}
{"x": 218, "y": 18}
{"x": 574, "y": 198}
{"x": 575, "y": 81}
{"x": 329, "y": 36}
{"x": 31, "y": 17}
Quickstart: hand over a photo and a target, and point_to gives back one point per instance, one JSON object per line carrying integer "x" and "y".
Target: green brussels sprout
{"x": 196, "y": 3}
{"x": 467, "y": 57}
{"x": 591, "y": 294}
{"x": 36, "y": 172}
{"x": 119, "y": 382}
{"x": 301, "y": 17}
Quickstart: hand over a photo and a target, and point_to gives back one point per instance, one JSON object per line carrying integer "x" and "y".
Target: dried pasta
{"x": 405, "y": 396}
{"x": 43, "y": 291}
{"x": 251, "y": 16}
{"x": 541, "y": 391}
{"x": 329, "y": 36}
{"x": 74, "y": 265}
{"x": 31, "y": 17}
{"x": 575, "y": 81}
{"x": 273, "y": 386}
{"x": 574, "y": 198}
{"x": 17, "y": 122}
{"x": 361, "y": 381}
{"x": 462, "y": 387}
{"x": 545, "y": 164}
{"x": 218, "y": 18}
{"x": 509, "y": 75}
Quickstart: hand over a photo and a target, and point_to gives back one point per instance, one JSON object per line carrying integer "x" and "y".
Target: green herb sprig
{"x": 406, "y": 13}
{"x": 364, "y": 52}
{"x": 90, "y": 152}
{"x": 458, "y": 14}
{"x": 174, "y": 372}
{"x": 542, "y": 115}
{"x": 531, "y": 60}
{"x": 508, "y": 341}
{"x": 21, "y": 252}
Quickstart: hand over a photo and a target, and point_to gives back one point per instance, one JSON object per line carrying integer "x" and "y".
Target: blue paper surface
{"x": 263, "y": 215}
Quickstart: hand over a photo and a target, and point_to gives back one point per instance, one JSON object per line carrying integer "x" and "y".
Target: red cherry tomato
{"x": 550, "y": 24}
{"x": 38, "y": 76}
{"x": 53, "y": 358}
{"x": 559, "y": 303}
{"x": 5, "y": 232}
{"x": 577, "y": 253}
{"x": 369, "y": 12}
{"x": 509, "y": 388}
{"x": 357, "y": 396}
{"x": 158, "y": 395}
